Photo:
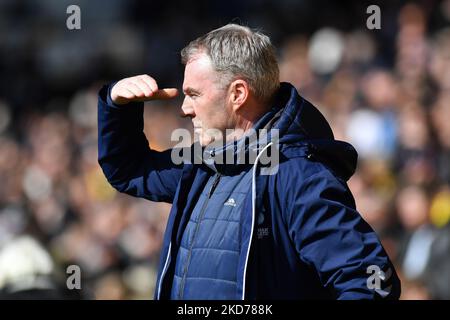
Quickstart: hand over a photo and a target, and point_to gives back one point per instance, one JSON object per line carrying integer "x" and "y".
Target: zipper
{"x": 202, "y": 213}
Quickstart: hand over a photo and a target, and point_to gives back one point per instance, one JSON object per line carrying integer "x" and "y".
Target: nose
{"x": 186, "y": 109}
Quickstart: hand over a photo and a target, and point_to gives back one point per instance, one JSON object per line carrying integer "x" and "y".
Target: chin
{"x": 205, "y": 140}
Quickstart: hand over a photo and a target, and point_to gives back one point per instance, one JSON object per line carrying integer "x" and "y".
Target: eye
{"x": 192, "y": 94}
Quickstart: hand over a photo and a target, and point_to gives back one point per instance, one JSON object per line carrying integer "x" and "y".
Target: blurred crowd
{"x": 385, "y": 91}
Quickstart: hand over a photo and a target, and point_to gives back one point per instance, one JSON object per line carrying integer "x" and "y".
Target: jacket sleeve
{"x": 125, "y": 156}
{"x": 331, "y": 236}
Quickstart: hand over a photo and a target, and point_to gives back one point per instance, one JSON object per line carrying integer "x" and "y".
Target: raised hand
{"x": 140, "y": 88}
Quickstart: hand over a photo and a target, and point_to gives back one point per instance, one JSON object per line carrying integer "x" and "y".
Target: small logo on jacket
{"x": 230, "y": 202}
{"x": 260, "y": 218}
{"x": 263, "y": 232}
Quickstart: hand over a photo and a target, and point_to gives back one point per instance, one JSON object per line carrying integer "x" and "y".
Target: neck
{"x": 244, "y": 123}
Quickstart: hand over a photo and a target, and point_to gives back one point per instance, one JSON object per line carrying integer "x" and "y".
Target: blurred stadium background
{"x": 386, "y": 91}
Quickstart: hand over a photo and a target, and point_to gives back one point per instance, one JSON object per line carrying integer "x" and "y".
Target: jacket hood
{"x": 300, "y": 123}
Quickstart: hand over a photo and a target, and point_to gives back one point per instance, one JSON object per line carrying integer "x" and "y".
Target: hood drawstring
{"x": 255, "y": 165}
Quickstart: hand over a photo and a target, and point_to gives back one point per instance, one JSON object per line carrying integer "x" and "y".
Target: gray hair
{"x": 239, "y": 52}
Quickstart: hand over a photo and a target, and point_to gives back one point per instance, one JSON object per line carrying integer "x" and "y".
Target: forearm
{"x": 121, "y": 141}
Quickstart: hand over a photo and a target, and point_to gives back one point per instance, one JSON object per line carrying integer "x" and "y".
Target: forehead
{"x": 199, "y": 72}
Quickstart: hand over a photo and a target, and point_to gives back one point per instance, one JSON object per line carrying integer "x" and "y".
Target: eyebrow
{"x": 190, "y": 90}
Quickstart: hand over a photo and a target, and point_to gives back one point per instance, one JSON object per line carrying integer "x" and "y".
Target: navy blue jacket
{"x": 317, "y": 246}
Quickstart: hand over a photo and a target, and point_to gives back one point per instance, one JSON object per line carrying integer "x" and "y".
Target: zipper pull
{"x": 214, "y": 185}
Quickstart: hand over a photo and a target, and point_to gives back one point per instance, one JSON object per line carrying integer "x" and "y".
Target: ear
{"x": 239, "y": 93}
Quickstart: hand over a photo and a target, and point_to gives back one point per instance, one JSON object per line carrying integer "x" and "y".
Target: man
{"x": 233, "y": 232}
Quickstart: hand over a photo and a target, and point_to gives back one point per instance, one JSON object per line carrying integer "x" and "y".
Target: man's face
{"x": 205, "y": 102}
